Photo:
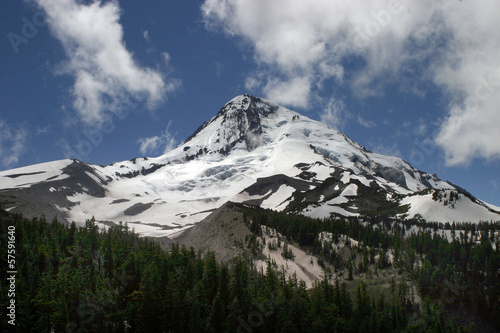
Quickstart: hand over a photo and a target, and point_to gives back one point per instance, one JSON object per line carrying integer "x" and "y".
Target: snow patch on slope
{"x": 280, "y": 196}
{"x": 26, "y": 176}
{"x": 465, "y": 210}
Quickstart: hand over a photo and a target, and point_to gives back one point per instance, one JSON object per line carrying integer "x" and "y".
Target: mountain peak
{"x": 238, "y": 125}
{"x": 248, "y": 104}
{"x": 252, "y": 151}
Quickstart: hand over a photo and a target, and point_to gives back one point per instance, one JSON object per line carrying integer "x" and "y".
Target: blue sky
{"x": 113, "y": 80}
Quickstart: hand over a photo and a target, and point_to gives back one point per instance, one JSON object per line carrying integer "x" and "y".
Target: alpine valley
{"x": 252, "y": 152}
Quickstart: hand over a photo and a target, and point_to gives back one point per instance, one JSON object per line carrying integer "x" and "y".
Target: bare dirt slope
{"x": 222, "y": 232}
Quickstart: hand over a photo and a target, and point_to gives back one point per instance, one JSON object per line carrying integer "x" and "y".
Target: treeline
{"x": 459, "y": 271}
{"x": 84, "y": 279}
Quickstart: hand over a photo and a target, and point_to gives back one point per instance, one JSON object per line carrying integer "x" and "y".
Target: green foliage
{"x": 83, "y": 279}
{"x": 463, "y": 275}
{"x": 287, "y": 253}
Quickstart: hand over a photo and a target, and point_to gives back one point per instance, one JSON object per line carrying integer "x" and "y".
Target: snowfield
{"x": 464, "y": 210}
{"x": 33, "y": 174}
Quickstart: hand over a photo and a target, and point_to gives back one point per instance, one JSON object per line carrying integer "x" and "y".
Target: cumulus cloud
{"x": 12, "y": 143}
{"x": 104, "y": 71}
{"x": 455, "y": 45}
{"x": 164, "y": 142}
{"x": 295, "y": 91}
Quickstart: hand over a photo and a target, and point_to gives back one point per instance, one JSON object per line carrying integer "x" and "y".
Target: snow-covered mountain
{"x": 252, "y": 151}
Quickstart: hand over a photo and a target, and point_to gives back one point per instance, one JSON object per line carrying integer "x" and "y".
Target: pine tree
{"x": 217, "y": 315}
{"x": 210, "y": 276}
{"x": 349, "y": 270}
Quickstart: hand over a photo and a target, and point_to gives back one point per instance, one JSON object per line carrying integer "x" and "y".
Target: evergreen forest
{"x": 82, "y": 278}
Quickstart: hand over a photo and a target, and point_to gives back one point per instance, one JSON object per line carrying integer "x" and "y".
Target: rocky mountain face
{"x": 253, "y": 152}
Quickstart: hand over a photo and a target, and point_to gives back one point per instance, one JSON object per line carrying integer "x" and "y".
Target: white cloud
{"x": 299, "y": 39}
{"x": 253, "y": 82}
{"x": 384, "y": 148}
{"x": 294, "y": 92}
{"x": 145, "y": 34}
{"x": 164, "y": 142}
{"x": 12, "y": 143}
{"x": 454, "y": 45}
{"x": 366, "y": 123}
{"x": 421, "y": 128}
{"x": 470, "y": 132}
{"x": 43, "y": 130}
{"x": 166, "y": 58}
{"x": 335, "y": 114}
{"x": 104, "y": 70}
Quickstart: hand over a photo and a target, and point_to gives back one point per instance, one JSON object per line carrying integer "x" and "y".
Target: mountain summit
{"x": 238, "y": 124}
{"x": 252, "y": 151}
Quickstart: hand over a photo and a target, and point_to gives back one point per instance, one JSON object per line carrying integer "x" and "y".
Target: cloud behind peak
{"x": 297, "y": 44}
